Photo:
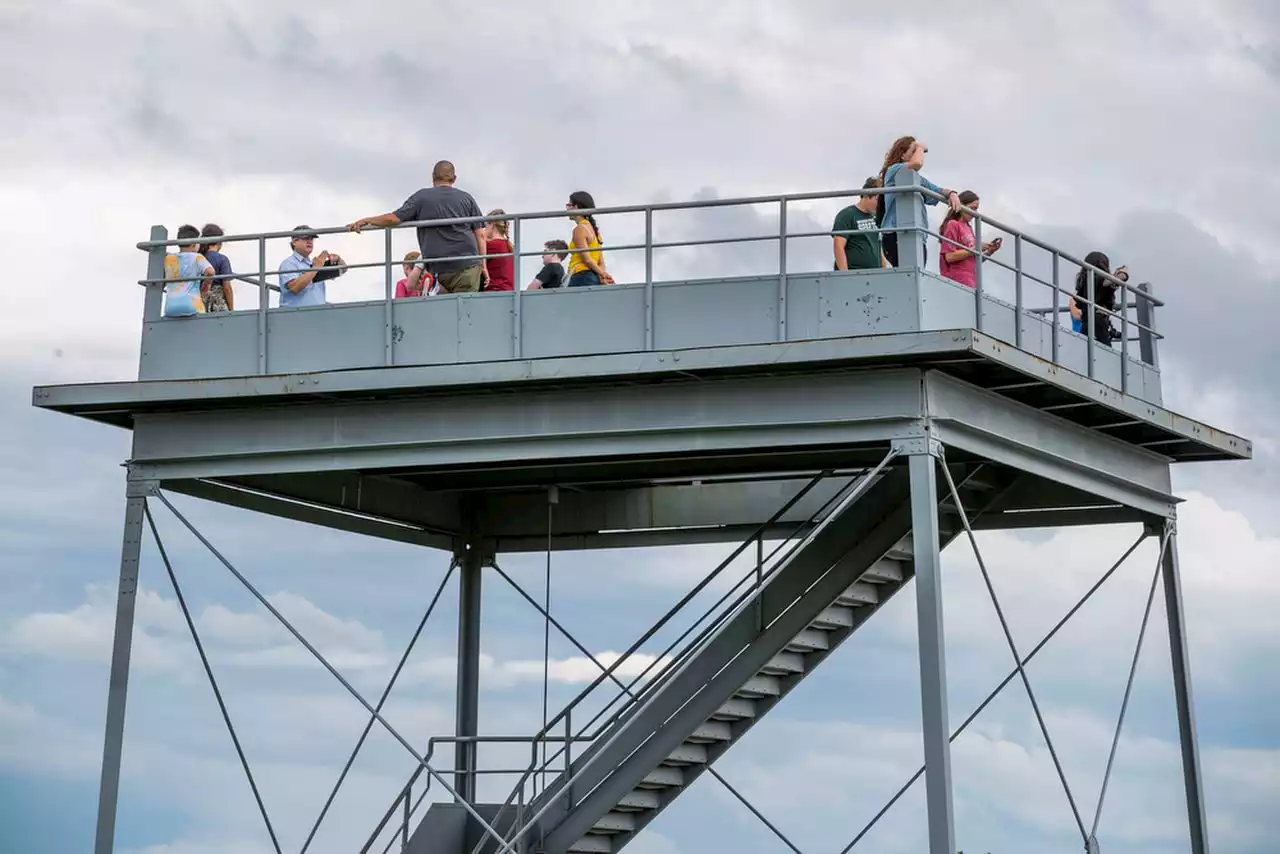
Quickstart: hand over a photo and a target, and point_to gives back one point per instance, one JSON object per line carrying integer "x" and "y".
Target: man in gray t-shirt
{"x": 442, "y": 200}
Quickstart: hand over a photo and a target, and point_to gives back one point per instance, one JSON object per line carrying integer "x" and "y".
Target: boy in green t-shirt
{"x": 854, "y": 238}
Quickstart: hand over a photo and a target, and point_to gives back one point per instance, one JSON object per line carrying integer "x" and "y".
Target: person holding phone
{"x": 958, "y": 261}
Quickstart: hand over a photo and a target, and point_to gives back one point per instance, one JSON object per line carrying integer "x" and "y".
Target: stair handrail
{"x": 544, "y": 735}
{"x": 565, "y": 786}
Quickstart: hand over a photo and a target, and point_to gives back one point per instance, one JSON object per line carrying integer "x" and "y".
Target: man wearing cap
{"x": 302, "y": 279}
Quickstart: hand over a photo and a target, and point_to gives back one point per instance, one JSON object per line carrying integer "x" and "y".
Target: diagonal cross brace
{"x": 1013, "y": 649}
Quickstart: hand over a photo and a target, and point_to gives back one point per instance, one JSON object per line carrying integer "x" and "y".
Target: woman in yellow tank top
{"x": 586, "y": 268}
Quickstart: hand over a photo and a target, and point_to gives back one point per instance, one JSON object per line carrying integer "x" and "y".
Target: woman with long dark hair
{"x": 217, "y": 294}
{"x": 586, "y": 265}
{"x": 907, "y": 152}
{"x": 958, "y": 262}
{"x": 1104, "y": 297}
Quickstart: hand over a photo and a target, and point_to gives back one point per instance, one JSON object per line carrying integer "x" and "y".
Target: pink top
{"x": 424, "y": 285}
{"x": 965, "y": 272}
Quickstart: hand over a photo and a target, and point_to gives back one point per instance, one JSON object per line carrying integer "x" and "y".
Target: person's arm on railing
{"x": 386, "y": 220}
{"x": 952, "y": 196}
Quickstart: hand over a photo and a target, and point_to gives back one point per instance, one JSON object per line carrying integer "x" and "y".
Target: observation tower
{"x": 841, "y": 427}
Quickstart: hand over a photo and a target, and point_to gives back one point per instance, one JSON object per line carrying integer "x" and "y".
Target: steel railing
{"x": 1143, "y": 300}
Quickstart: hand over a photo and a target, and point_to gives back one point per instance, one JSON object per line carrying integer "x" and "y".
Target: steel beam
{"x": 1182, "y": 695}
{"x": 933, "y": 667}
{"x": 1002, "y": 430}
{"x": 471, "y": 560}
{"x": 121, "y": 650}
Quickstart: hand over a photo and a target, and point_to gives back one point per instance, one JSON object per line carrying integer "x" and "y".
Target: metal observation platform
{"x": 840, "y": 427}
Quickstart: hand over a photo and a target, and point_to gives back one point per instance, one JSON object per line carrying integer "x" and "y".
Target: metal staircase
{"x": 854, "y": 563}
{"x": 851, "y": 563}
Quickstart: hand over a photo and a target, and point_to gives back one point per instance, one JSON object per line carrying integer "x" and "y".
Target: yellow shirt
{"x": 577, "y": 264}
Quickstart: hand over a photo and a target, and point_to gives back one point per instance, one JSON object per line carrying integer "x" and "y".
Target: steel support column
{"x": 470, "y": 559}
{"x": 126, "y": 599}
{"x": 933, "y": 668}
{"x": 1182, "y": 696}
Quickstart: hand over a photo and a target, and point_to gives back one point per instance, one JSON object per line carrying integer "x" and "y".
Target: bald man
{"x": 447, "y": 247}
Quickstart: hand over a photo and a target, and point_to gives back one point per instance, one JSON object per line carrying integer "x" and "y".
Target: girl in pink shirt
{"x": 425, "y": 281}
{"x": 956, "y": 263}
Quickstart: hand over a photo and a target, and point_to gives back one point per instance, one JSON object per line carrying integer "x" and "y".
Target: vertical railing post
{"x": 648, "y": 278}
{"x": 1017, "y": 288}
{"x": 782, "y": 269}
{"x": 1053, "y": 330}
{"x": 264, "y": 302}
{"x": 517, "y": 327}
{"x": 408, "y": 807}
{"x": 153, "y": 296}
{"x": 978, "y": 281}
{"x": 153, "y": 302}
{"x": 568, "y": 755}
{"x": 1090, "y": 315}
{"x": 1146, "y": 312}
{"x": 389, "y": 292}
{"x": 909, "y": 220}
{"x": 1124, "y": 338}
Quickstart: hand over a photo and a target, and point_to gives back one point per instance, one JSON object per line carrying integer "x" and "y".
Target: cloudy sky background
{"x": 1147, "y": 129}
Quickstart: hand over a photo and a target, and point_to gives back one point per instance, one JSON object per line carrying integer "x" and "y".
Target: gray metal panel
{"x": 716, "y": 312}
{"x": 325, "y": 338}
{"x": 867, "y": 303}
{"x": 1008, "y": 432}
{"x": 998, "y": 319}
{"x": 485, "y": 326}
{"x": 425, "y": 331}
{"x": 582, "y": 321}
{"x": 944, "y": 304}
{"x": 212, "y": 345}
{"x": 625, "y": 422}
{"x": 803, "y": 302}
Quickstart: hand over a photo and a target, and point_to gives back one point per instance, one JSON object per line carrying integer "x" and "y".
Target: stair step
{"x": 637, "y": 800}
{"x": 709, "y": 732}
{"x": 784, "y": 664}
{"x": 902, "y": 552}
{"x": 859, "y": 593}
{"x": 809, "y": 640}
{"x": 615, "y": 822}
{"x": 735, "y": 709}
{"x": 835, "y": 617}
{"x": 759, "y": 686}
{"x": 592, "y": 844}
{"x": 663, "y": 777}
{"x": 687, "y": 754}
{"x": 884, "y": 571}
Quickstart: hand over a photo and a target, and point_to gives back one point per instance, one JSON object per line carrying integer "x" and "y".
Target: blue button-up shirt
{"x": 291, "y": 268}
{"x": 891, "y": 199}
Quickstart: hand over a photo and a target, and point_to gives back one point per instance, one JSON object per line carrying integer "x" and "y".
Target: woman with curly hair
{"x": 907, "y": 152}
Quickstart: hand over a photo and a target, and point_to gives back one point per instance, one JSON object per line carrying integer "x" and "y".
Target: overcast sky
{"x": 1148, "y": 129}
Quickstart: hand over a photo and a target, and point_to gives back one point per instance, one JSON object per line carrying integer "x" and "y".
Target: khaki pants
{"x": 460, "y": 281}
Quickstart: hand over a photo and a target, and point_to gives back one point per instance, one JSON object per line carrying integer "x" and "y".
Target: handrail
{"x": 846, "y": 494}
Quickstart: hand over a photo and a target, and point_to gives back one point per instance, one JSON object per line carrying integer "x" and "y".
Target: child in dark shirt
{"x": 552, "y": 273}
